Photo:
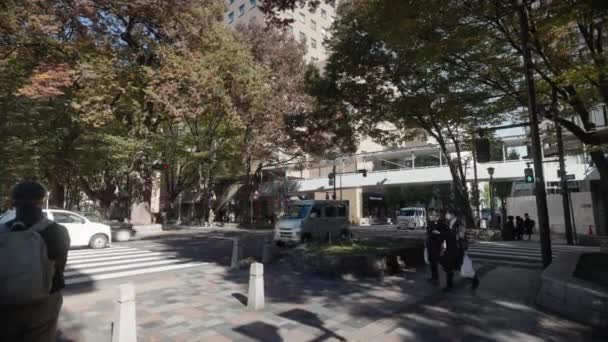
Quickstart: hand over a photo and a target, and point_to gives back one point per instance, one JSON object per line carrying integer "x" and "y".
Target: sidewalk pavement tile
{"x": 201, "y": 307}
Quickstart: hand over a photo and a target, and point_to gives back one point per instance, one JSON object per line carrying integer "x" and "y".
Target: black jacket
{"x": 433, "y": 242}
{"x": 453, "y": 255}
{"x": 529, "y": 225}
{"x": 57, "y": 241}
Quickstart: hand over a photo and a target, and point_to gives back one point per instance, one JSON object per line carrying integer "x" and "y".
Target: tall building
{"x": 309, "y": 27}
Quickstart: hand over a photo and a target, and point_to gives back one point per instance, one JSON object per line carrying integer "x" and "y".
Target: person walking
{"x": 509, "y": 232}
{"x": 433, "y": 248}
{"x": 528, "y": 226}
{"x": 519, "y": 228}
{"x": 455, "y": 243}
{"x": 30, "y": 305}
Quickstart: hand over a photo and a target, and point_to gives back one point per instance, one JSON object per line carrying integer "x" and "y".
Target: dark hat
{"x": 28, "y": 192}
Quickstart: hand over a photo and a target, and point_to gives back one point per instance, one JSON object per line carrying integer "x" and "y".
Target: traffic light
{"x": 529, "y": 173}
{"x": 482, "y": 150}
{"x": 159, "y": 166}
{"x": 331, "y": 177}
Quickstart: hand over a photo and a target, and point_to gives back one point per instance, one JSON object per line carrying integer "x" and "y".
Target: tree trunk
{"x": 57, "y": 193}
{"x": 102, "y": 198}
{"x": 461, "y": 195}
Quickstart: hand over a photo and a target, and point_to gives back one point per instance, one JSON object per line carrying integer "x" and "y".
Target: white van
{"x": 412, "y": 218}
{"x": 306, "y": 220}
{"x": 82, "y": 231}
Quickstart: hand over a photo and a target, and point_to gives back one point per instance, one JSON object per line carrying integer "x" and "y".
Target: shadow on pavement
{"x": 215, "y": 247}
{"x": 502, "y": 309}
{"x": 77, "y": 282}
{"x": 241, "y": 298}
{"x": 260, "y": 331}
{"x": 67, "y": 330}
{"x": 308, "y": 318}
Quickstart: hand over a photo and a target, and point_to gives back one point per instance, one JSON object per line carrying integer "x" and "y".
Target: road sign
{"x": 570, "y": 177}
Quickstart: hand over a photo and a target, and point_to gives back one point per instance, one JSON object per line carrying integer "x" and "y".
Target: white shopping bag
{"x": 426, "y": 255}
{"x": 467, "y": 270}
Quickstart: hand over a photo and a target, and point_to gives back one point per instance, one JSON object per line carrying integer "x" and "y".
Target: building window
{"x": 302, "y": 38}
{"x": 323, "y": 14}
{"x": 253, "y": 3}
{"x": 231, "y": 2}
{"x": 302, "y": 17}
{"x": 313, "y": 25}
{"x": 241, "y": 10}
{"x": 332, "y": 3}
{"x": 314, "y": 59}
{"x": 230, "y": 17}
{"x": 313, "y": 43}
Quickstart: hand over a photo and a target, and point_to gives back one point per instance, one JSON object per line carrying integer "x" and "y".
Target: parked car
{"x": 121, "y": 231}
{"x": 83, "y": 232}
{"x": 310, "y": 219}
{"x": 412, "y": 218}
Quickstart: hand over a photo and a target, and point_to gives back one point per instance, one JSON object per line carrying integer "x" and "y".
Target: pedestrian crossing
{"x": 90, "y": 265}
{"x": 520, "y": 253}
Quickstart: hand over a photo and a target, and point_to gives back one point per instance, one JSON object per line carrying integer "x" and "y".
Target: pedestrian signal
{"x": 529, "y": 174}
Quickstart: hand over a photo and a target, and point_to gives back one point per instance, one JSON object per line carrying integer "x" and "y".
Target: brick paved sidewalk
{"x": 204, "y": 304}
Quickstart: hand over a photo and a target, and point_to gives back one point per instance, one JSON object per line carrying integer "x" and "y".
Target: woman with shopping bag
{"x": 454, "y": 253}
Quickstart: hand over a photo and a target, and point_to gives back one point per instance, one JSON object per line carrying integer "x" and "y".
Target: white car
{"x": 82, "y": 231}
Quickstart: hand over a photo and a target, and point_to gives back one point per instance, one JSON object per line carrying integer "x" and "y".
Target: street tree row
{"x": 92, "y": 93}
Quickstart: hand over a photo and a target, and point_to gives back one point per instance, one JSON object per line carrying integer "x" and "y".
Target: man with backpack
{"x": 33, "y": 253}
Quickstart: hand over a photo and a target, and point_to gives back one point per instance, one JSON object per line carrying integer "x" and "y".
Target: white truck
{"x": 412, "y": 218}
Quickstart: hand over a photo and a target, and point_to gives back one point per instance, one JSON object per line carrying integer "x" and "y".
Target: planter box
{"x": 577, "y": 299}
{"x": 359, "y": 264}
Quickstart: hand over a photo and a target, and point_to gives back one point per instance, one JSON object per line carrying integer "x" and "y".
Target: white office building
{"x": 309, "y": 27}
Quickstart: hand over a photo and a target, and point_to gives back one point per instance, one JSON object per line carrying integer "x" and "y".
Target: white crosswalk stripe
{"x": 516, "y": 253}
{"x": 85, "y": 266}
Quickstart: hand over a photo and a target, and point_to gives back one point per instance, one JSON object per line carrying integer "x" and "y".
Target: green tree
{"x": 567, "y": 45}
{"x": 406, "y": 85}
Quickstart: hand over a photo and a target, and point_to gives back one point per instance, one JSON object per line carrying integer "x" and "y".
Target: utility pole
{"x": 562, "y": 169}
{"x": 491, "y": 188}
{"x": 541, "y": 195}
{"x": 334, "y": 171}
{"x": 341, "y": 172}
{"x": 476, "y": 186}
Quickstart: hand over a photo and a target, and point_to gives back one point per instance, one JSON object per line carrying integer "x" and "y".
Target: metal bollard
{"x": 124, "y": 327}
{"x": 255, "y": 300}
{"x": 234, "y": 262}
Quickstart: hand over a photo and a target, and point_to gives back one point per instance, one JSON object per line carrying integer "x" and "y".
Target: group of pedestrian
{"x": 446, "y": 245}
{"x": 34, "y": 252}
{"x": 515, "y": 230}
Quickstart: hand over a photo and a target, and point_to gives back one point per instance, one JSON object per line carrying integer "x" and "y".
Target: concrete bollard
{"x": 124, "y": 327}
{"x": 234, "y": 262}
{"x": 255, "y": 300}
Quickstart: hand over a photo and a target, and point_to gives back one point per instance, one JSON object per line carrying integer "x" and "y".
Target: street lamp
{"x": 491, "y": 173}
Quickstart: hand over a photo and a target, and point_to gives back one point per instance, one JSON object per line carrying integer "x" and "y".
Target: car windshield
{"x": 408, "y": 212}
{"x": 297, "y": 211}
